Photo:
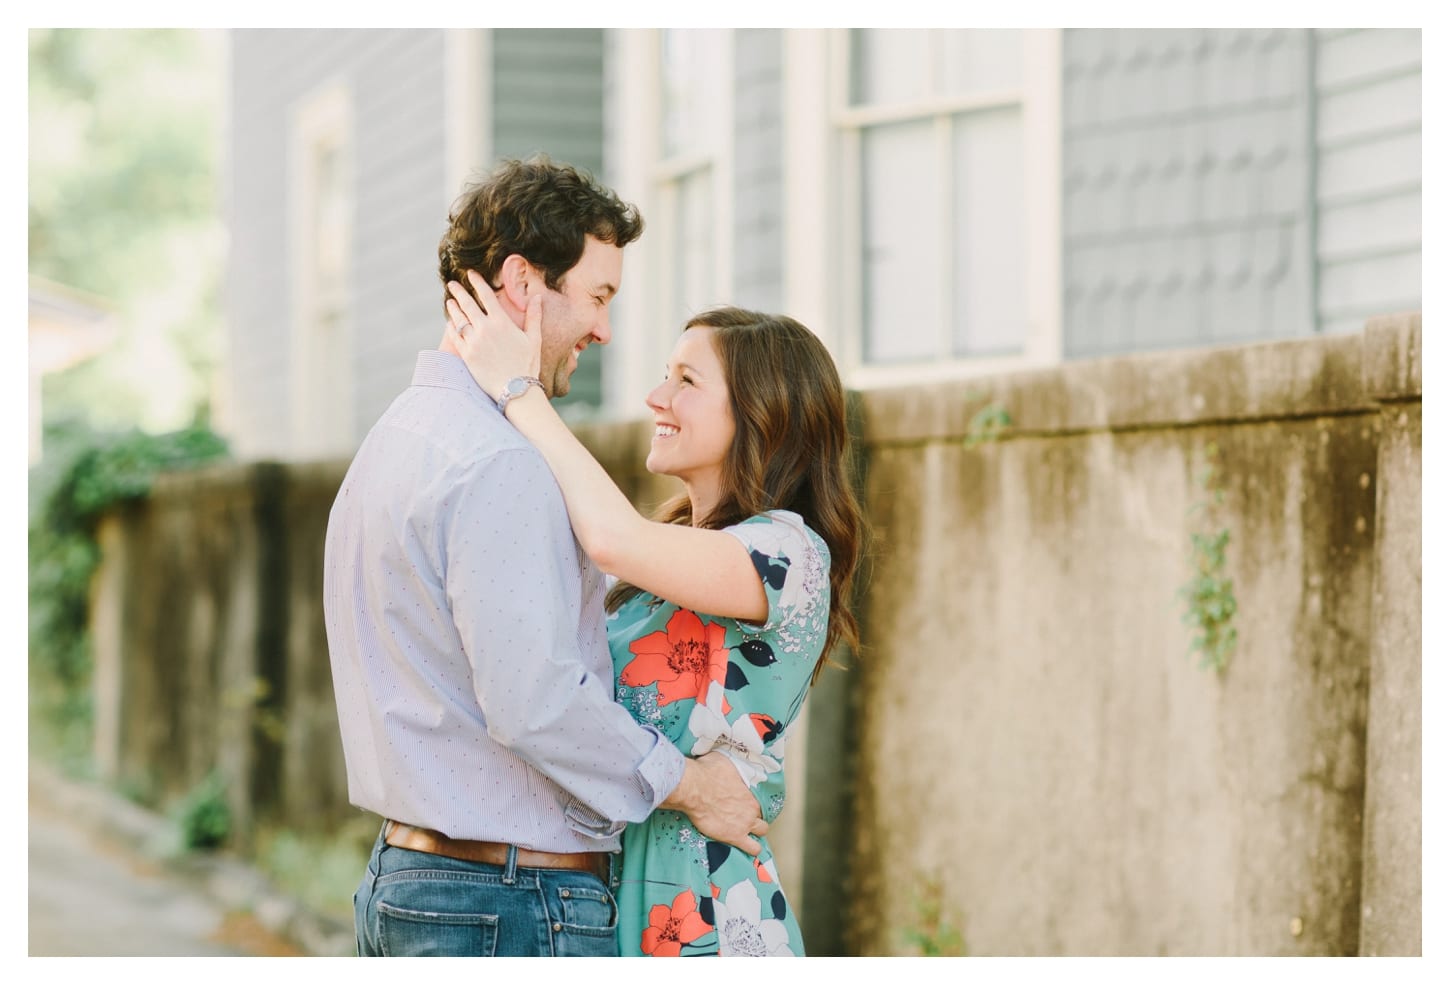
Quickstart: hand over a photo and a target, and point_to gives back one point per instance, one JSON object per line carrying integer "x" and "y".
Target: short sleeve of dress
{"x": 794, "y": 565}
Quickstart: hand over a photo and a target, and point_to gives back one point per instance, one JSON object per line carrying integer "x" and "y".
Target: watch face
{"x": 517, "y": 387}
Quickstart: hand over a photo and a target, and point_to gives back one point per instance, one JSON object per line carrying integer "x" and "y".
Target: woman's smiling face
{"x": 694, "y": 424}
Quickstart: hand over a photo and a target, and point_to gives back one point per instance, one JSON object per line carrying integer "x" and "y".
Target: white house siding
{"x": 395, "y": 82}
{"x": 1368, "y": 84}
{"x": 1186, "y": 188}
{"x": 759, "y": 138}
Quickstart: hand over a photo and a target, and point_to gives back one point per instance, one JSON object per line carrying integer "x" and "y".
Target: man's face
{"x": 578, "y": 313}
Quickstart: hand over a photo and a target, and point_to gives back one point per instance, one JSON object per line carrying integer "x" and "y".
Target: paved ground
{"x": 91, "y": 898}
{"x": 105, "y": 880}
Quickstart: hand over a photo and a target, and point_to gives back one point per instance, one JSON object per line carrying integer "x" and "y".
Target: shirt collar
{"x": 443, "y": 369}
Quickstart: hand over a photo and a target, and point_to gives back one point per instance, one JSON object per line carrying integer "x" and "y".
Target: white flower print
{"x": 784, "y": 537}
{"x": 743, "y": 931}
{"x": 740, "y": 741}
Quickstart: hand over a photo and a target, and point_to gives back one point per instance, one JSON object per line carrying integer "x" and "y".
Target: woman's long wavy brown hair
{"x": 790, "y": 450}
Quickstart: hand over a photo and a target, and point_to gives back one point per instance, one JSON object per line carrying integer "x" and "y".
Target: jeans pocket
{"x": 588, "y": 909}
{"x": 589, "y": 919}
{"x": 420, "y": 933}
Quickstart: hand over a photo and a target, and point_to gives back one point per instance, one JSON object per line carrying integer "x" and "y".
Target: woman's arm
{"x": 704, "y": 570}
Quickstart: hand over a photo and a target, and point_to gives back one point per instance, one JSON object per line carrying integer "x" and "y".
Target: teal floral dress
{"x": 711, "y": 683}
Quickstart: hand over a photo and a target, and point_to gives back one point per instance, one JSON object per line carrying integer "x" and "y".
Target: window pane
{"x": 329, "y": 218}
{"x": 694, "y": 260}
{"x": 889, "y": 66}
{"x": 692, "y": 65}
{"x": 978, "y": 60}
{"x": 990, "y": 287}
{"x": 901, "y": 262}
{"x": 893, "y": 66}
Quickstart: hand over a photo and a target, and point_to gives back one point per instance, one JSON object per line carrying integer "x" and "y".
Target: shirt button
{"x": 558, "y": 927}
{"x": 565, "y": 894}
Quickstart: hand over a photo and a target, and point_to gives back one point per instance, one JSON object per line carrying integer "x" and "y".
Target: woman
{"x": 726, "y": 605}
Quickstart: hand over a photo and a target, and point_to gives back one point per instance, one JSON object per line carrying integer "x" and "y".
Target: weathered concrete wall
{"x": 175, "y": 623}
{"x": 1035, "y": 737}
{"x": 1027, "y": 733}
{"x": 1390, "y": 915}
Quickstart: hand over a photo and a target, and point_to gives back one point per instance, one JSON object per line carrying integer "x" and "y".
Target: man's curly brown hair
{"x": 537, "y": 208}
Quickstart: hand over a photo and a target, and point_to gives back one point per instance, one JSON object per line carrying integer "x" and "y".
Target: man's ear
{"x": 515, "y": 276}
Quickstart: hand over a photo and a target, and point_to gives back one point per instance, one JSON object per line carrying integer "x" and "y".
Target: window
{"x": 949, "y": 197}
{"x": 691, "y": 174}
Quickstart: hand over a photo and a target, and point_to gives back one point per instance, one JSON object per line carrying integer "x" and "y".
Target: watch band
{"x": 517, "y": 387}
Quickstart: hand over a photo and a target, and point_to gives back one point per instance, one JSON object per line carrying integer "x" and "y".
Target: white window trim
{"x": 812, "y": 281}
{"x": 820, "y": 239}
{"x": 637, "y": 354}
{"x": 468, "y": 109}
{"x": 323, "y": 118}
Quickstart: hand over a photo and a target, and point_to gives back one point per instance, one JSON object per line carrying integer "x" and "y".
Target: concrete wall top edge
{"x": 1327, "y": 375}
{"x": 1393, "y": 357}
{"x": 230, "y": 474}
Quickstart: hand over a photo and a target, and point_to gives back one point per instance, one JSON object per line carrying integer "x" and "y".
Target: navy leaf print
{"x": 735, "y": 678}
{"x": 771, "y": 570}
{"x": 707, "y": 910}
{"x": 758, "y": 652}
{"x": 777, "y": 905}
{"x": 716, "y": 852}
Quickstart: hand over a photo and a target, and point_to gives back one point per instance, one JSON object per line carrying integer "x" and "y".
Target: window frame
{"x": 1039, "y": 101}
{"x": 649, "y": 177}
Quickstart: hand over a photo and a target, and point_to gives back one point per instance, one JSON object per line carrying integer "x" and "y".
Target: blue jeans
{"x": 411, "y": 903}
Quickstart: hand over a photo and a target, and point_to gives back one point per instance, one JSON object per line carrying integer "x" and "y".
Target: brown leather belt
{"x": 415, "y": 839}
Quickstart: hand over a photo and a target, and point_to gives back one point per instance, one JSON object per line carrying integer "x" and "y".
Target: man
{"x": 466, "y": 628}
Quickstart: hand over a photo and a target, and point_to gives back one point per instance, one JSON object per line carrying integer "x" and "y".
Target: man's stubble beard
{"x": 555, "y": 377}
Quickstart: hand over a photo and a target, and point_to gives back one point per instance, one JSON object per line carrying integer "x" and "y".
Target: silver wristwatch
{"x": 517, "y": 387}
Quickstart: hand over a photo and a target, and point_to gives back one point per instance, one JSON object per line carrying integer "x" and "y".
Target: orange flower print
{"x": 682, "y": 659}
{"x": 671, "y": 927}
{"x": 768, "y": 728}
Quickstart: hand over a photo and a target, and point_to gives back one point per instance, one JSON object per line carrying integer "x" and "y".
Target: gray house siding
{"x": 1186, "y": 189}
{"x": 399, "y": 148}
{"x": 1228, "y": 186}
{"x": 759, "y": 181}
{"x": 395, "y": 80}
{"x": 548, "y": 95}
{"x": 1368, "y": 86}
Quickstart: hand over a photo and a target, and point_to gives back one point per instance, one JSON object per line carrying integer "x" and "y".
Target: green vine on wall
{"x": 990, "y": 423}
{"x": 936, "y": 933}
{"x": 1208, "y": 596}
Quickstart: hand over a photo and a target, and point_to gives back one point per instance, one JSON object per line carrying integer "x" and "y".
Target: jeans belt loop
{"x": 511, "y": 867}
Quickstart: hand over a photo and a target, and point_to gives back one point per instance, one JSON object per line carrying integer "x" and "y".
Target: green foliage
{"x": 254, "y": 697}
{"x": 83, "y": 475}
{"x": 124, "y": 152}
{"x": 935, "y": 933}
{"x": 320, "y": 871}
{"x": 1209, "y": 602}
{"x": 990, "y": 423}
{"x": 203, "y": 816}
{"x": 125, "y": 204}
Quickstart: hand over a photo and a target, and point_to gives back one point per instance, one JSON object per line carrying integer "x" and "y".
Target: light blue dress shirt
{"x": 467, "y": 636}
